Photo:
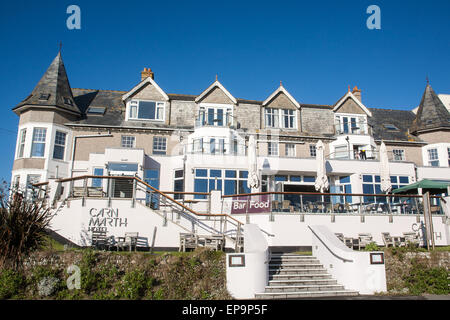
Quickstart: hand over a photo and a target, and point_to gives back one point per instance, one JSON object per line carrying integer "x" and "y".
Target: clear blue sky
{"x": 317, "y": 48}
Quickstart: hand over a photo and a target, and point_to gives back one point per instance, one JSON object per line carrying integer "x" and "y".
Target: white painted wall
{"x": 350, "y": 268}
{"x": 244, "y": 281}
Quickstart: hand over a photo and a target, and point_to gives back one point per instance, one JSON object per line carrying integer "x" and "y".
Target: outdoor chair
{"x": 110, "y": 242}
{"x": 129, "y": 241}
{"x": 387, "y": 239}
{"x": 320, "y": 207}
{"x": 412, "y": 238}
{"x": 188, "y": 241}
{"x": 364, "y": 239}
{"x": 435, "y": 210}
{"x": 98, "y": 240}
{"x": 337, "y": 207}
{"x": 286, "y": 205}
{"x": 348, "y": 208}
{"x": 275, "y": 205}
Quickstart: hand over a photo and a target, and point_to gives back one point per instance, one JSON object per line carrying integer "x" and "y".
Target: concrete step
{"x": 299, "y": 271}
{"x": 296, "y": 295}
{"x": 291, "y": 256}
{"x": 295, "y": 265}
{"x": 304, "y": 288}
{"x": 289, "y": 262}
{"x": 311, "y": 276}
{"x": 302, "y": 282}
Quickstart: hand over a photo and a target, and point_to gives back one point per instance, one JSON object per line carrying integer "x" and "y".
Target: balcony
{"x": 224, "y": 120}
{"x": 216, "y": 148}
{"x": 353, "y": 128}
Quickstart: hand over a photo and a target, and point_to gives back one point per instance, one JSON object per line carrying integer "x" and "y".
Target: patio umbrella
{"x": 385, "y": 175}
{"x": 252, "y": 181}
{"x": 321, "y": 179}
{"x": 431, "y": 185}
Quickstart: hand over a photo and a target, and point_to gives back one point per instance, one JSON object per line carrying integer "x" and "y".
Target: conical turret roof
{"x": 431, "y": 114}
{"x": 53, "y": 90}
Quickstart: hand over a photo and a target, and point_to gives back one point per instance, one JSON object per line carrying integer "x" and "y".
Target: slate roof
{"x": 431, "y": 114}
{"x": 402, "y": 119}
{"x": 53, "y": 90}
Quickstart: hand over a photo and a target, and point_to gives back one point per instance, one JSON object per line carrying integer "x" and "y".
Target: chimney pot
{"x": 147, "y": 72}
{"x": 357, "y": 93}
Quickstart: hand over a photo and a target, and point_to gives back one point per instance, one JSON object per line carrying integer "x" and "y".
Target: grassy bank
{"x": 111, "y": 275}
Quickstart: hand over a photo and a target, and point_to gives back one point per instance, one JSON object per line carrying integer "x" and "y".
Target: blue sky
{"x": 317, "y": 48}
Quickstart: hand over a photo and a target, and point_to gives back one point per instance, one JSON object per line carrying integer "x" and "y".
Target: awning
{"x": 437, "y": 186}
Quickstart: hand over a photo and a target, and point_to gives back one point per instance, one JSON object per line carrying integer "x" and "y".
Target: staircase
{"x": 293, "y": 276}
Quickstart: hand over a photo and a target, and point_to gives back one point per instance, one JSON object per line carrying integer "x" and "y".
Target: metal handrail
{"x": 153, "y": 189}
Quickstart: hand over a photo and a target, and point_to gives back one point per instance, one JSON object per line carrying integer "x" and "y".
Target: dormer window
{"x": 68, "y": 101}
{"x": 212, "y": 115}
{"x": 146, "y": 110}
{"x": 280, "y": 118}
{"x": 390, "y": 127}
{"x": 44, "y": 96}
{"x": 350, "y": 124}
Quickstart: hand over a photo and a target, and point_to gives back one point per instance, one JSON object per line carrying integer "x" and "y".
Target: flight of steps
{"x": 294, "y": 276}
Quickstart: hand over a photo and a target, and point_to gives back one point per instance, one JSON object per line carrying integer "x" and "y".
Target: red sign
{"x": 251, "y": 204}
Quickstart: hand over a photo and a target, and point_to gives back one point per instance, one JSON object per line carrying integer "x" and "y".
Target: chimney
{"x": 147, "y": 72}
{"x": 357, "y": 93}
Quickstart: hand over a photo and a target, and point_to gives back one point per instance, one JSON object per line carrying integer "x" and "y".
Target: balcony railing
{"x": 238, "y": 149}
{"x": 353, "y": 128}
{"x": 353, "y": 155}
{"x": 344, "y": 203}
{"x": 226, "y": 120}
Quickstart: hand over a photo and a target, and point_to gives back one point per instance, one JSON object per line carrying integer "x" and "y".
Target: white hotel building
{"x": 198, "y": 143}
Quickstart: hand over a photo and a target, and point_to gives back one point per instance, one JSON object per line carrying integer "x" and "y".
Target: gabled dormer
{"x": 281, "y": 110}
{"x": 146, "y": 101}
{"x": 351, "y": 115}
{"x": 215, "y": 107}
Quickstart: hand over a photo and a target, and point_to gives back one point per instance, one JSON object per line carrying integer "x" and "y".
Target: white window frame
{"x": 227, "y": 113}
{"x": 159, "y": 105}
{"x": 271, "y": 147}
{"x": 60, "y": 145}
{"x": 360, "y": 122}
{"x": 312, "y": 149}
{"x": 285, "y": 113}
{"x": 398, "y": 154}
{"x": 38, "y": 141}
{"x": 277, "y": 118}
{"x": 21, "y": 143}
{"x": 290, "y": 150}
{"x": 433, "y": 155}
{"x": 448, "y": 152}
{"x": 125, "y": 143}
{"x": 157, "y": 143}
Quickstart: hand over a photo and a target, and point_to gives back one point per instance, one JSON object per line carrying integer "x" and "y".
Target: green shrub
{"x": 46, "y": 281}
{"x": 22, "y": 227}
{"x": 12, "y": 283}
{"x": 422, "y": 279}
{"x": 135, "y": 284}
{"x": 372, "y": 247}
